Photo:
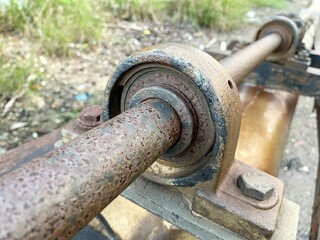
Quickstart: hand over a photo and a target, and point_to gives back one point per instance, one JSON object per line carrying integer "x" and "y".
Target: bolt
{"x": 255, "y": 185}
{"x": 303, "y": 55}
{"x": 89, "y": 117}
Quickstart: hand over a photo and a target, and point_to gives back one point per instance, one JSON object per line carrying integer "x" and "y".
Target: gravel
{"x": 300, "y": 160}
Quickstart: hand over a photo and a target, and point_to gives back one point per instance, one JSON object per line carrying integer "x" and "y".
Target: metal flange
{"x": 203, "y": 95}
{"x": 291, "y": 29}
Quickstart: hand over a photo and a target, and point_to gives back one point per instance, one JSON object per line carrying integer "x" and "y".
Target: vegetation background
{"x": 55, "y": 27}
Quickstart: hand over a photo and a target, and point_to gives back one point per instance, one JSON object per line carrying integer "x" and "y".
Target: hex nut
{"x": 89, "y": 117}
{"x": 255, "y": 185}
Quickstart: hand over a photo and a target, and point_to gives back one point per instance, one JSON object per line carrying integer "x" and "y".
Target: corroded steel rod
{"x": 55, "y": 195}
{"x": 244, "y": 61}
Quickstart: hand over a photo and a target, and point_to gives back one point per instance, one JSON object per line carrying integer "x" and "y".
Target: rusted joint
{"x": 247, "y": 216}
{"x": 201, "y": 91}
{"x": 291, "y": 29}
{"x": 89, "y": 117}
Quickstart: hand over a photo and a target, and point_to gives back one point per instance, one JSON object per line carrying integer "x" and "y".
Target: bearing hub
{"x": 201, "y": 93}
{"x": 290, "y": 28}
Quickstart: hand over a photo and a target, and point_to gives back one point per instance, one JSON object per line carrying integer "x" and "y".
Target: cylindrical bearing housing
{"x": 290, "y": 28}
{"x": 203, "y": 95}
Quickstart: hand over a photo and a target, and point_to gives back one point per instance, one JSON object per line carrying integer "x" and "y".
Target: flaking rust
{"x": 54, "y": 196}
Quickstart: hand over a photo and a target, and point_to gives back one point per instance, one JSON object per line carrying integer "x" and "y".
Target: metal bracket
{"x": 170, "y": 204}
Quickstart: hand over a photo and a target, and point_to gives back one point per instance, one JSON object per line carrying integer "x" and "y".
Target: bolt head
{"x": 89, "y": 117}
{"x": 255, "y": 185}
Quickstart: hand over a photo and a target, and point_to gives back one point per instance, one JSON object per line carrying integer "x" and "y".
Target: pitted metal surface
{"x": 54, "y": 196}
{"x": 198, "y": 135}
{"x": 170, "y": 204}
{"x": 89, "y": 117}
{"x": 248, "y": 217}
{"x": 250, "y": 57}
{"x": 184, "y": 111}
{"x": 205, "y": 89}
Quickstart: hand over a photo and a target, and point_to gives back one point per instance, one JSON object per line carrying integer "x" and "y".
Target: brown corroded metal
{"x": 89, "y": 117}
{"x": 207, "y": 91}
{"x": 265, "y": 125}
{"x": 250, "y": 218}
{"x": 23, "y": 154}
{"x": 255, "y": 185}
{"x": 56, "y": 195}
{"x": 244, "y": 61}
{"x": 291, "y": 29}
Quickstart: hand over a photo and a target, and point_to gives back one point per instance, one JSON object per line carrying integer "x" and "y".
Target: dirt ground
{"x": 70, "y": 84}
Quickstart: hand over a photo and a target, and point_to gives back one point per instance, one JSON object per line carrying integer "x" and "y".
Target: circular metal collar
{"x": 198, "y": 88}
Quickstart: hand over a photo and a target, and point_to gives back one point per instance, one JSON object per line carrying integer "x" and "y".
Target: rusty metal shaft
{"x": 55, "y": 195}
{"x": 244, "y": 61}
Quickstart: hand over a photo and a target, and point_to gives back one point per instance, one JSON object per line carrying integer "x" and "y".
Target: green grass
{"x": 269, "y": 3}
{"x": 138, "y": 9}
{"x": 16, "y": 76}
{"x": 55, "y": 24}
{"x": 222, "y": 14}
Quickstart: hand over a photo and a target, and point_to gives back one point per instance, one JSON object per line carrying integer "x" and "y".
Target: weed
{"x": 269, "y": 3}
{"x": 16, "y": 76}
{"x": 55, "y": 24}
{"x": 138, "y": 9}
{"x": 223, "y": 14}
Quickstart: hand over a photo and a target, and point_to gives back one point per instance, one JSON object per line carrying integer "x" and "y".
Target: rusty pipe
{"x": 55, "y": 195}
{"x": 244, "y": 61}
{"x": 267, "y": 114}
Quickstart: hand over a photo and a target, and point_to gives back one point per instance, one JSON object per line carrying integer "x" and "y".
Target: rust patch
{"x": 196, "y": 76}
{"x": 89, "y": 117}
{"x": 243, "y": 215}
{"x": 23, "y": 154}
{"x": 56, "y": 195}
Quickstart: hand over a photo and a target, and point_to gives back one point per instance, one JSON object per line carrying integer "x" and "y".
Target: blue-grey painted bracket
{"x": 170, "y": 204}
